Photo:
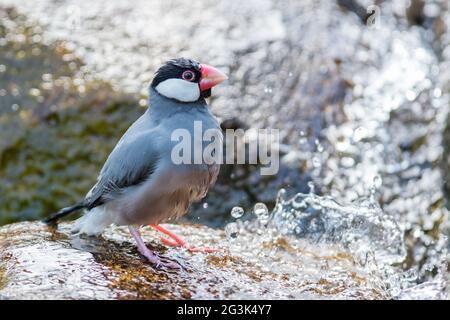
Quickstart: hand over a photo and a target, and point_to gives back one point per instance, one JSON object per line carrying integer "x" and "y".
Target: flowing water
{"x": 361, "y": 111}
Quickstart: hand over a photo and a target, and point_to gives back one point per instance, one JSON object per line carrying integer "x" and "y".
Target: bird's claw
{"x": 154, "y": 259}
{"x": 162, "y": 263}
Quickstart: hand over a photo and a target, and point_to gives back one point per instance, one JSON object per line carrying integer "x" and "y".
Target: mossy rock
{"x": 56, "y": 127}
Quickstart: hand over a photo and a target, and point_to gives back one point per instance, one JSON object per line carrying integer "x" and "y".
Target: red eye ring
{"x": 188, "y": 75}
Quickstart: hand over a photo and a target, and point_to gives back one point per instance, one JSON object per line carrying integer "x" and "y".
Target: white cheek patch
{"x": 179, "y": 89}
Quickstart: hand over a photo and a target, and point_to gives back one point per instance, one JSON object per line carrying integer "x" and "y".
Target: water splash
{"x": 372, "y": 239}
{"x": 361, "y": 227}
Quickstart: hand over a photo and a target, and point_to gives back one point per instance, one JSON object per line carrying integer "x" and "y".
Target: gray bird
{"x": 139, "y": 183}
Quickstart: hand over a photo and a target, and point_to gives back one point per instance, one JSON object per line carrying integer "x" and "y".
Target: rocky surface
{"x": 37, "y": 262}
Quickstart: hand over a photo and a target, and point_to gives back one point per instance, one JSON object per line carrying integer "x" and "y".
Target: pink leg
{"x": 147, "y": 253}
{"x": 178, "y": 242}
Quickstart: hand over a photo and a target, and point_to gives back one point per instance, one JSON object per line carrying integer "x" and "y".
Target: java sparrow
{"x": 139, "y": 184}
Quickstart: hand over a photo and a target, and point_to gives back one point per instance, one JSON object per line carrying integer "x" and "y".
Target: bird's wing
{"x": 132, "y": 162}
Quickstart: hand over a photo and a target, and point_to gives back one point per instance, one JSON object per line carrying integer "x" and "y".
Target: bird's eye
{"x": 188, "y": 75}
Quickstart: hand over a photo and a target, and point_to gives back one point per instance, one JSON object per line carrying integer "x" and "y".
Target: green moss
{"x": 56, "y": 128}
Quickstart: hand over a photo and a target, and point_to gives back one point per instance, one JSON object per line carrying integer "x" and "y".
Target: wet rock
{"x": 374, "y": 98}
{"x": 41, "y": 263}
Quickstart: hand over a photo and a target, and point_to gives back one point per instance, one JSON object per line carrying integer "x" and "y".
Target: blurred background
{"x": 359, "y": 90}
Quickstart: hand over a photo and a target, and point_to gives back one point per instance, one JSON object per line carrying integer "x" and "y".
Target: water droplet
{"x": 47, "y": 77}
{"x": 411, "y": 95}
{"x": 377, "y": 182}
{"x": 268, "y": 90}
{"x": 237, "y": 212}
{"x": 205, "y": 205}
{"x": 281, "y": 195}
{"x": 311, "y": 187}
{"x": 34, "y": 92}
{"x": 303, "y": 141}
{"x": 231, "y": 230}
{"x": 316, "y": 162}
{"x": 260, "y": 209}
{"x": 376, "y": 185}
{"x": 437, "y": 93}
{"x": 347, "y": 162}
{"x": 359, "y": 134}
{"x": 143, "y": 102}
{"x": 36, "y": 38}
{"x": 261, "y": 212}
{"x": 319, "y": 146}
{"x": 299, "y": 201}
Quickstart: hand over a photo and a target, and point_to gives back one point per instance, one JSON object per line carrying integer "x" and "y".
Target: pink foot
{"x": 149, "y": 255}
{"x": 178, "y": 242}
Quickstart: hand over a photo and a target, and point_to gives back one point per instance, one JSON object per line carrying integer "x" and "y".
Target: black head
{"x": 186, "y": 80}
{"x": 181, "y": 68}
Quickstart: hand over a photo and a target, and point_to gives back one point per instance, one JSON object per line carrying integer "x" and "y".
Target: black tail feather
{"x": 53, "y": 219}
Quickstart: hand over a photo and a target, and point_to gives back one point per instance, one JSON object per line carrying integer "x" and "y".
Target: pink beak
{"x": 210, "y": 77}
